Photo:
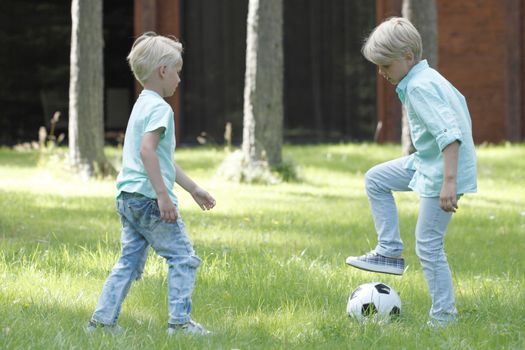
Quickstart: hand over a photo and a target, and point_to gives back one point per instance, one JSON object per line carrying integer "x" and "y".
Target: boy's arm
{"x": 202, "y": 197}
{"x": 448, "y": 197}
{"x": 148, "y": 154}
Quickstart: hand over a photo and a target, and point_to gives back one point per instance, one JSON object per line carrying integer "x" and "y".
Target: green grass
{"x": 273, "y": 273}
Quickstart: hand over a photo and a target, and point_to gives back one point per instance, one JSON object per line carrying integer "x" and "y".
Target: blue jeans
{"x": 142, "y": 227}
{"x": 431, "y": 226}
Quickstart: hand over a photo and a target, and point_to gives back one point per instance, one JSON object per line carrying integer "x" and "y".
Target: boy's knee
{"x": 128, "y": 267}
{"x": 371, "y": 179}
{"x": 427, "y": 253}
{"x": 191, "y": 261}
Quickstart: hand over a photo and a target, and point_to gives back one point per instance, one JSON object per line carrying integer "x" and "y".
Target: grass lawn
{"x": 273, "y": 273}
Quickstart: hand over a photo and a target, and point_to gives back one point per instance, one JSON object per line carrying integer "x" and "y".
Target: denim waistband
{"x": 127, "y": 195}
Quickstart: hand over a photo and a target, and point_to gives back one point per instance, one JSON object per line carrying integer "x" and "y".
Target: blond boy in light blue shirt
{"x": 442, "y": 169}
{"x": 146, "y": 203}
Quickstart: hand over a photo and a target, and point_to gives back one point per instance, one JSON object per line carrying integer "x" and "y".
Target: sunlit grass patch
{"x": 273, "y": 272}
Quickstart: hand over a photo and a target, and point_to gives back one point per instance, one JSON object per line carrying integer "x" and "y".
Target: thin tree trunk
{"x": 86, "y": 89}
{"x": 263, "y": 90}
{"x": 423, "y": 14}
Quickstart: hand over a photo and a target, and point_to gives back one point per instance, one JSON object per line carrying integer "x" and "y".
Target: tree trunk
{"x": 263, "y": 90}
{"x": 86, "y": 89}
{"x": 423, "y": 14}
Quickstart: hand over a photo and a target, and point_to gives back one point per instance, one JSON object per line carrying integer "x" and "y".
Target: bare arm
{"x": 202, "y": 197}
{"x": 448, "y": 196}
{"x": 148, "y": 154}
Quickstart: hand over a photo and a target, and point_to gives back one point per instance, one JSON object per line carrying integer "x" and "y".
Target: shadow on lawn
{"x": 84, "y": 220}
{"x": 11, "y": 158}
{"x": 266, "y": 322}
{"x": 64, "y": 223}
{"x": 51, "y": 326}
{"x": 61, "y": 219}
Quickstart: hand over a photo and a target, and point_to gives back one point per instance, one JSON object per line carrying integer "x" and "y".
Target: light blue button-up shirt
{"x": 149, "y": 113}
{"x": 438, "y": 116}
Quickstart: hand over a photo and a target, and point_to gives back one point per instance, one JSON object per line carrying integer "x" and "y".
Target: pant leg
{"x": 139, "y": 270}
{"x": 380, "y": 181}
{"x": 128, "y": 268}
{"x": 170, "y": 241}
{"x": 430, "y": 233}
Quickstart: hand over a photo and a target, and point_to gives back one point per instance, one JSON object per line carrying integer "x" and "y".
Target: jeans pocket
{"x": 144, "y": 211}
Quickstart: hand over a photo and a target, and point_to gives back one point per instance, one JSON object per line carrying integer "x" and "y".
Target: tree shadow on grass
{"x": 85, "y": 220}
{"x": 60, "y": 219}
{"x": 12, "y": 158}
{"x": 258, "y": 298}
{"x": 29, "y": 325}
{"x": 259, "y": 320}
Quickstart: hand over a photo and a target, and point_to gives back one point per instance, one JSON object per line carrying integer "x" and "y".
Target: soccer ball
{"x": 373, "y": 300}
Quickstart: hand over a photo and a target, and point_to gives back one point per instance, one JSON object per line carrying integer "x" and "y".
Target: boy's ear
{"x": 409, "y": 56}
{"x": 162, "y": 71}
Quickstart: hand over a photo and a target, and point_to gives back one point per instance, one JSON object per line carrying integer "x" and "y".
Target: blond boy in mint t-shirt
{"x": 150, "y": 113}
{"x": 145, "y": 200}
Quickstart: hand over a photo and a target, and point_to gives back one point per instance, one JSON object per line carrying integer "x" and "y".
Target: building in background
{"x": 481, "y": 51}
{"x": 331, "y": 92}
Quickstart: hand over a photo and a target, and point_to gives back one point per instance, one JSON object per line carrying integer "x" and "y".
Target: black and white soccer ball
{"x": 374, "y": 300}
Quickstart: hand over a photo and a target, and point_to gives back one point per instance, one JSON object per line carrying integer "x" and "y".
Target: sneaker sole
{"x": 375, "y": 268}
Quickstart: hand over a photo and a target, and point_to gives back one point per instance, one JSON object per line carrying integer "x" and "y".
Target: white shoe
{"x": 93, "y": 325}
{"x": 190, "y": 327}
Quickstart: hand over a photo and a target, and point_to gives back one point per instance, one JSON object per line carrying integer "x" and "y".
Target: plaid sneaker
{"x": 192, "y": 328}
{"x": 93, "y": 325}
{"x": 377, "y": 263}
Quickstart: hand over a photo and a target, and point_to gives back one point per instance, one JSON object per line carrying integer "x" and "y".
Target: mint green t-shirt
{"x": 149, "y": 113}
{"x": 438, "y": 116}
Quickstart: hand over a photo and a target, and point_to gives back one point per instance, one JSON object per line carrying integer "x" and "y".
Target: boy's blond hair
{"x": 151, "y": 51}
{"x": 391, "y": 40}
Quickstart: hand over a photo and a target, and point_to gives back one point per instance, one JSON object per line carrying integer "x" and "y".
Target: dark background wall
{"x": 330, "y": 91}
{"x": 329, "y": 88}
{"x": 34, "y": 65}
{"x": 214, "y": 36}
{"x": 34, "y": 37}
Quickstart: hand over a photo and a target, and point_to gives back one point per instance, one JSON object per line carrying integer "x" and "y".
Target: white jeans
{"x": 431, "y": 226}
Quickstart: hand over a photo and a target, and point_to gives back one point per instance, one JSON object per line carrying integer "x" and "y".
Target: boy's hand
{"x": 203, "y": 198}
{"x": 168, "y": 211}
{"x": 448, "y": 199}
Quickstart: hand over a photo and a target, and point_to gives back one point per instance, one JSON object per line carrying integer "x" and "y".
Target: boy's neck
{"x": 155, "y": 84}
{"x": 150, "y": 85}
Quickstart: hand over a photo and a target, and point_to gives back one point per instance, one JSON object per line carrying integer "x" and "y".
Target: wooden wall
{"x": 388, "y": 105}
{"x": 162, "y": 17}
{"x": 214, "y": 35}
{"x": 329, "y": 87}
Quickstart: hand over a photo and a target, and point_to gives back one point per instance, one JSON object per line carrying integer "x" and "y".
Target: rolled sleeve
{"x": 447, "y": 136}
{"x": 159, "y": 118}
{"x": 437, "y": 116}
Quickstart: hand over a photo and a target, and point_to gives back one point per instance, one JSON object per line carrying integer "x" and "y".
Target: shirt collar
{"x": 402, "y": 85}
{"x": 150, "y": 92}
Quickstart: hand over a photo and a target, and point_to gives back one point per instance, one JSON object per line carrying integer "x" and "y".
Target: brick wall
{"x": 480, "y": 52}
{"x": 472, "y": 47}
